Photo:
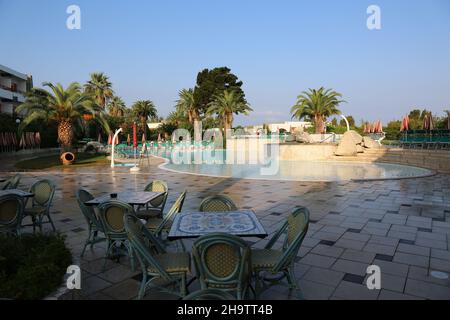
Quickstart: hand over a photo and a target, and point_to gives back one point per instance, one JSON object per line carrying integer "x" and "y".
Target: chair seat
{"x": 149, "y": 213}
{"x": 154, "y": 223}
{"x": 265, "y": 258}
{"x": 34, "y": 211}
{"x": 173, "y": 262}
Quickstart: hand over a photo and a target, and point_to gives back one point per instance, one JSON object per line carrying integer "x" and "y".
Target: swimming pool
{"x": 295, "y": 170}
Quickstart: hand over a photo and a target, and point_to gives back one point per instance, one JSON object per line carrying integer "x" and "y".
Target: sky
{"x": 152, "y": 49}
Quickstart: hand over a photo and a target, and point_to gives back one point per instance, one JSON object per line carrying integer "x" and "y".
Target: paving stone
{"x": 350, "y": 244}
{"x": 315, "y": 291}
{"x": 439, "y": 264}
{"x": 426, "y": 290}
{"x": 317, "y": 260}
{"x": 353, "y": 291}
{"x": 358, "y": 256}
{"x": 413, "y": 249}
{"x": 440, "y": 254}
{"x": 431, "y": 244}
{"x": 324, "y": 276}
{"x": 393, "y": 268}
{"x": 379, "y": 248}
{"x": 125, "y": 290}
{"x": 352, "y": 267}
{"x": 392, "y": 295}
{"x": 393, "y": 283}
{"x": 411, "y": 259}
{"x": 327, "y": 251}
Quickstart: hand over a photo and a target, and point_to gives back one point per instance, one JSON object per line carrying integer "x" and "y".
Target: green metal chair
{"x": 217, "y": 203}
{"x": 44, "y": 191}
{"x": 111, "y": 214}
{"x": 4, "y": 185}
{"x": 159, "y": 225}
{"x": 279, "y": 264}
{"x": 11, "y": 214}
{"x": 94, "y": 224}
{"x": 210, "y": 294}
{"x": 12, "y": 183}
{"x": 156, "y": 264}
{"x": 222, "y": 261}
{"x": 155, "y": 207}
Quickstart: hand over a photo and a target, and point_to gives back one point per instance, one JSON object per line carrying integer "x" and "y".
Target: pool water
{"x": 296, "y": 170}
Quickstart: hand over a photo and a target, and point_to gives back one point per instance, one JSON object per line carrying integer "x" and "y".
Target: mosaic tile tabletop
{"x": 134, "y": 198}
{"x": 243, "y": 223}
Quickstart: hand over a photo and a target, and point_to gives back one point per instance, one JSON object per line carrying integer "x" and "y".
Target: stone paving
{"x": 403, "y": 226}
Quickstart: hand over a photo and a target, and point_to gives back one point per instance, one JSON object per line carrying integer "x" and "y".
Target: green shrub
{"x": 32, "y": 266}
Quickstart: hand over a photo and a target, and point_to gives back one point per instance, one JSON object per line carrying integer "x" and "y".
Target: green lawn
{"x": 53, "y": 161}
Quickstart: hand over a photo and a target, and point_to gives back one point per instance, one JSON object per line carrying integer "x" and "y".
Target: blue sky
{"x": 152, "y": 49}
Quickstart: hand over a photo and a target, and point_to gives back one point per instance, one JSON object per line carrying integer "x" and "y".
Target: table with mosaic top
{"x": 242, "y": 223}
{"x": 133, "y": 198}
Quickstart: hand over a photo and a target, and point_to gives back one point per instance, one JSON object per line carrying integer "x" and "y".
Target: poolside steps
{"x": 438, "y": 160}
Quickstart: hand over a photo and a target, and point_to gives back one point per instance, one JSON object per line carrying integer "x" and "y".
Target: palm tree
{"x": 317, "y": 105}
{"x": 100, "y": 88}
{"x": 65, "y": 106}
{"x": 186, "y": 105}
{"x": 116, "y": 107}
{"x": 144, "y": 109}
{"x": 225, "y": 104}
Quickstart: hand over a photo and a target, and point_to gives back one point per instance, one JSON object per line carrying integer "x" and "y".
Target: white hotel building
{"x": 13, "y": 86}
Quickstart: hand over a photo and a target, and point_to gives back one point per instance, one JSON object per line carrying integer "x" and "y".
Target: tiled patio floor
{"x": 403, "y": 226}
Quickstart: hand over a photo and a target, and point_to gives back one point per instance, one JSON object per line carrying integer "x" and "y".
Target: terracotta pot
{"x": 67, "y": 158}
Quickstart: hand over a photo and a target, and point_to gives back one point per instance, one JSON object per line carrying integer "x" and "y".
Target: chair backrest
{"x": 12, "y": 183}
{"x": 11, "y": 212}
{"x": 210, "y": 294}
{"x": 222, "y": 261}
{"x": 217, "y": 203}
{"x": 145, "y": 245}
{"x": 88, "y": 212}
{"x": 15, "y": 181}
{"x": 5, "y": 185}
{"x": 295, "y": 229}
{"x": 158, "y": 186}
{"x": 111, "y": 215}
{"x": 176, "y": 208}
{"x": 43, "y": 191}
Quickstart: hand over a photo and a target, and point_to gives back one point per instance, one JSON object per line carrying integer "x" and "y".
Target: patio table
{"x": 133, "y": 198}
{"x": 242, "y": 223}
{"x": 16, "y": 192}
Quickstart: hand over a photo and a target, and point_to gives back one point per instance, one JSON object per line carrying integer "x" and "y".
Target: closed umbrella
{"x": 143, "y": 138}
{"x": 430, "y": 122}
{"x": 109, "y": 139}
{"x": 128, "y": 140}
{"x": 1, "y": 141}
{"x": 38, "y": 139}
{"x": 134, "y": 135}
{"x": 99, "y": 138}
{"x": 426, "y": 123}
{"x": 159, "y": 137}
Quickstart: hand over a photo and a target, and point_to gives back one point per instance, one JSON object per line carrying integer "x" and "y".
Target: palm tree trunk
{"x": 65, "y": 134}
{"x": 318, "y": 120}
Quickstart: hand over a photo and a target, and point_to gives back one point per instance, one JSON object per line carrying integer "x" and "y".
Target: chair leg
{"x": 183, "y": 288}
{"x": 143, "y": 285}
{"x": 290, "y": 276}
{"x": 51, "y": 221}
{"x": 108, "y": 250}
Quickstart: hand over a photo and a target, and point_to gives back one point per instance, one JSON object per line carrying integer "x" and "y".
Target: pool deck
{"x": 403, "y": 226}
